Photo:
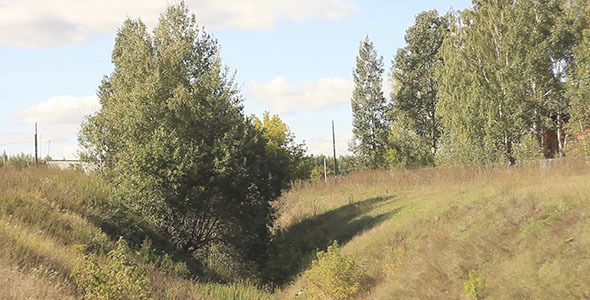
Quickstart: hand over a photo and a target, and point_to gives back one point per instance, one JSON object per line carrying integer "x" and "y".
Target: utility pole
{"x": 36, "y": 158}
{"x": 49, "y": 148}
{"x": 334, "y": 147}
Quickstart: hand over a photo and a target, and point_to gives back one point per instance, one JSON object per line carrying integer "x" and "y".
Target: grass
{"x": 48, "y": 216}
{"x": 446, "y": 233}
{"x": 521, "y": 228}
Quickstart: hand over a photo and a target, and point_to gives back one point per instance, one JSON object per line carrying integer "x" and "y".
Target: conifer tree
{"x": 369, "y": 107}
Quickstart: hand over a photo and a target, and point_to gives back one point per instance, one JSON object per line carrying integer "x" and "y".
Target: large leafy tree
{"x": 172, "y": 139}
{"x": 369, "y": 106}
{"x": 416, "y": 88}
{"x": 501, "y": 84}
{"x": 543, "y": 43}
{"x": 578, "y": 89}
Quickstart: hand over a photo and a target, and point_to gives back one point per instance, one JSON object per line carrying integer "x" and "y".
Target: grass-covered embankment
{"x": 53, "y": 221}
{"x": 522, "y": 232}
{"x": 447, "y": 233}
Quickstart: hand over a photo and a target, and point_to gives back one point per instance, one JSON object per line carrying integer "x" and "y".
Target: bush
{"x": 20, "y": 161}
{"x": 161, "y": 261}
{"x": 474, "y": 287}
{"x": 407, "y": 150}
{"x": 529, "y": 149}
{"x": 115, "y": 278}
{"x": 335, "y": 276}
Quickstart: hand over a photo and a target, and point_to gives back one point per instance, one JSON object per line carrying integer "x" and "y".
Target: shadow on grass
{"x": 293, "y": 248}
{"x": 135, "y": 230}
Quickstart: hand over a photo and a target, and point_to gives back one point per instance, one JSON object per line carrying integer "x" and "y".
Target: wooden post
{"x": 334, "y": 147}
{"x": 36, "y": 158}
{"x": 325, "y": 171}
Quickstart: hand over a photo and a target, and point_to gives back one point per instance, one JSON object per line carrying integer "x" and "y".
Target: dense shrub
{"x": 115, "y": 278}
{"x": 335, "y": 276}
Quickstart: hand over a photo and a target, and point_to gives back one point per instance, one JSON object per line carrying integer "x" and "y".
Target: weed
{"x": 475, "y": 286}
{"x": 335, "y": 276}
{"x": 116, "y": 278}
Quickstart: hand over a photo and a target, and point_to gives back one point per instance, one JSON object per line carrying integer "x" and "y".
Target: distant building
{"x": 71, "y": 164}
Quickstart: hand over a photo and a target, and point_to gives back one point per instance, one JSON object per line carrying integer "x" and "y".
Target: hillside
{"x": 55, "y": 223}
{"x": 418, "y": 234}
{"x": 516, "y": 233}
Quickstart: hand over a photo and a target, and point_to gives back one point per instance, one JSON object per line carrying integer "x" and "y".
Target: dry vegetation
{"x": 447, "y": 233}
{"x": 523, "y": 230}
{"x": 51, "y": 220}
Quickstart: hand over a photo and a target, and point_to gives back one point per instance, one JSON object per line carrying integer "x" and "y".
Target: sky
{"x": 293, "y": 58}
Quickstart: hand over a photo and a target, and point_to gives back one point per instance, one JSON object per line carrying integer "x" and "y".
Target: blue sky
{"x": 292, "y": 57}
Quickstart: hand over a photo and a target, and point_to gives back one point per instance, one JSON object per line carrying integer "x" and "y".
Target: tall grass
{"x": 520, "y": 228}
{"x": 449, "y": 233}
{"x": 51, "y": 219}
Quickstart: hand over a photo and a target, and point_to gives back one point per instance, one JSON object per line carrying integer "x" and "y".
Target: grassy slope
{"x": 417, "y": 233}
{"x": 527, "y": 230}
{"x": 45, "y": 213}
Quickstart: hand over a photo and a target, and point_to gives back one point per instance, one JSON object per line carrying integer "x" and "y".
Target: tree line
{"x": 504, "y": 81}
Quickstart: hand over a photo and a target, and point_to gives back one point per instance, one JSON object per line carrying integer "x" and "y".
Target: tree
{"x": 173, "y": 140}
{"x": 543, "y": 47}
{"x": 502, "y": 79}
{"x": 416, "y": 88}
{"x": 578, "y": 87}
{"x": 284, "y": 152}
{"x": 369, "y": 106}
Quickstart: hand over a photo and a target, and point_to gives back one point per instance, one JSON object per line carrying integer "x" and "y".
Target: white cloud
{"x": 41, "y": 23}
{"x": 69, "y": 151}
{"x": 58, "y": 120}
{"x": 319, "y": 145}
{"x": 285, "y": 97}
{"x": 59, "y": 111}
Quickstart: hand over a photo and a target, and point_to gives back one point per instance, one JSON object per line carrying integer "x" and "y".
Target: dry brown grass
{"x": 38, "y": 284}
{"x": 524, "y": 228}
{"x": 45, "y": 217}
{"x": 416, "y": 233}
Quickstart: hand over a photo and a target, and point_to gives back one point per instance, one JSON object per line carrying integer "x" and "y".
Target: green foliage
{"x": 162, "y": 261}
{"x": 117, "y": 278}
{"x": 505, "y": 65}
{"x": 529, "y": 149}
{"x": 407, "y": 150}
{"x": 347, "y": 164}
{"x": 172, "y": 137}
{"x": 97, "y": 243}
{"x": 578, "y": 87}
{"x": 475, "y": 286}
{"x": 232, "y": 291}
{"x": 368, "y": 107}
{"x": 415, "y": 91}
{"x": 335, "y": 276}
{"x": 19, "y": 161}
{"x": 288, "y": 156}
